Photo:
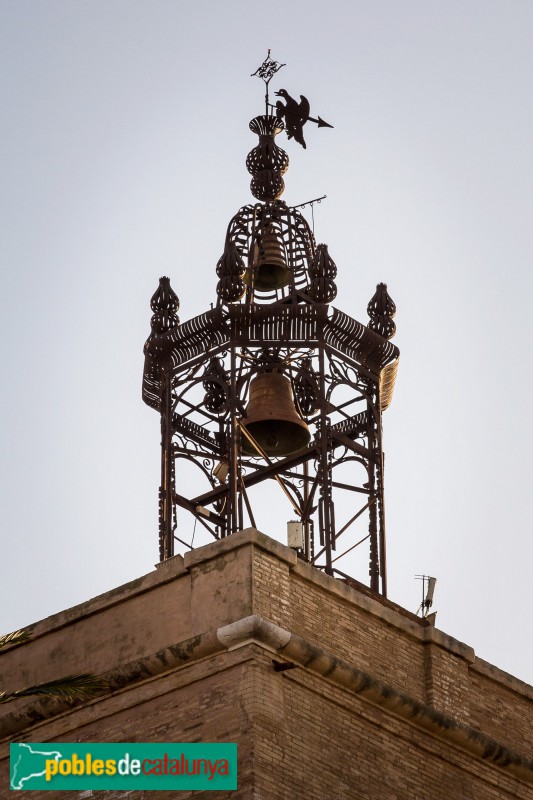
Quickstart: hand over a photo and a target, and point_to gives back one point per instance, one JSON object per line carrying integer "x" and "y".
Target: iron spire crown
{"x": 273, "y": 383}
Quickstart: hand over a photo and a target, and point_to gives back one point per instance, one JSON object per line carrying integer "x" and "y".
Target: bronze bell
{"x": 272, "y": 419}
{"x": 269, "y": 267}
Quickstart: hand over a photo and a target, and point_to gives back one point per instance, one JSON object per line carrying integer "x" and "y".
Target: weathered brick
{"x": 306, "y": 731}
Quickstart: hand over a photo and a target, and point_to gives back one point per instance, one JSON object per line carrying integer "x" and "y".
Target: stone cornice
{"x": 292, "y": 648}
{"x": 318, "y": 660}
{"x": 180, "y": 568}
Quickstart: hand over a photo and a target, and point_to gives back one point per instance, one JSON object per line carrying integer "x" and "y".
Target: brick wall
{"x": 375, "y": 703}
{"x": 502, "y": 709}
{"x": 354, "y": 634}
{"x": 336, "y": 746}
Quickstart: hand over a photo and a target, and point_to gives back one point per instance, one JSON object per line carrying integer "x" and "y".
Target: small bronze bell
{"x": 272, "y": 419}
{"x": 269, "y": 268}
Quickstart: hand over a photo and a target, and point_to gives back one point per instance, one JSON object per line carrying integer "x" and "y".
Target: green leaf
{"x": 72, "y": 687}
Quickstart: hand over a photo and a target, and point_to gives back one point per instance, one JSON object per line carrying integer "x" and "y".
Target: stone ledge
{"x": 502, "y": 678}
{"x": 260, "y": 631}
{"x": 248, "y": 536}
{"x": 253, "y": 629}
{"x": 173, "y": 565}
{"x": 152, "y": 683}
{"x": 324, "y": 663}
{"x": 179, "y": 566}
{"x": 108, "y": 599}
{"x": 164, "y": 572}
{"x": 28, "y": 714}
{"x": 418, "y": 630}
{"x": 362, "y": 601}
{"x": 435, "y": 636}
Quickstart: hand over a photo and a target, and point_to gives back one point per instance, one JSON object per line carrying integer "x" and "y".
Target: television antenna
{"x": 428, "y": 590}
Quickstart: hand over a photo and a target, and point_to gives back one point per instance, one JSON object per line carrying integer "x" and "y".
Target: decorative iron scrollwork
{"x": 292, "y": 232}
{"x": 306, "y": 388}
{"x": 215, "y": 384}
{"x": 268, "y": 69}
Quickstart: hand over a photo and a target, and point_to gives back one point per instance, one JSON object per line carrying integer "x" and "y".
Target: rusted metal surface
{"x": 273, "y": 352}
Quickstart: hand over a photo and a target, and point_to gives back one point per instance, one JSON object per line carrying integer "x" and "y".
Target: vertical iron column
{"x": 232, "y": 521}
{"x": 166, "y": 500}
{"x": 381, "y": 502}
{"x": 325, "y": 504}
{"x": 305, "y": 520}
{"x": 373, "y": 445}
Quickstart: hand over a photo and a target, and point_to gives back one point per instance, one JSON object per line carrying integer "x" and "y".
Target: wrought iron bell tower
{"x": 273, "y": 383}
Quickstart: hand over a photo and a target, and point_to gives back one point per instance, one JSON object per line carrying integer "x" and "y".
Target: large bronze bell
{"x": 269, "y": 268}
{"x": 272, "y": 419}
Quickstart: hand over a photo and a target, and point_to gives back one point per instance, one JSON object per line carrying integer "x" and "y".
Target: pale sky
{"x": 125, "y": 134}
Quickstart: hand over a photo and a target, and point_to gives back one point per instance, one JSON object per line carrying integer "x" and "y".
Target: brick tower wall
{"x": 330, "y": 691}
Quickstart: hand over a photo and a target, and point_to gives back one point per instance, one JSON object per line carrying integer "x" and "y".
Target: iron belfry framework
{"x": 273, "y": 383}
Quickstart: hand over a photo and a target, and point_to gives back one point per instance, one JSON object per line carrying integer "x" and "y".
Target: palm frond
{"x": 72, "y": 687}
{"x": 14, "y": 638}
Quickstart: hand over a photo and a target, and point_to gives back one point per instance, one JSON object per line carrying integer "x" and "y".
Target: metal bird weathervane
{"x": 273, "y": 384}
{"x": 295, "y": 114}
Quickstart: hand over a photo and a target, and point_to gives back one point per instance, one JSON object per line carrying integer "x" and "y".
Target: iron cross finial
{"x": 266, "y": 72}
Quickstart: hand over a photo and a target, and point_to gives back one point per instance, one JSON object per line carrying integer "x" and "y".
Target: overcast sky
{"x": 124, "y": 138}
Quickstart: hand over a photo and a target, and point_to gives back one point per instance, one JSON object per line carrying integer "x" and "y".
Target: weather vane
{"x": 295, "y": 114}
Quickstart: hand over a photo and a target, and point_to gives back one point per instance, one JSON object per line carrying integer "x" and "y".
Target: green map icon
{"x": 29, "y": 762}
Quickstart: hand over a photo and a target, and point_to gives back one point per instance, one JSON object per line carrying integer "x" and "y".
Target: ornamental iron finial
{"x": 164, "y": 304}
{"x": 267, "y": 162}
{"x": 322, "y": 270}
{"x": 381, "y": 310}
{"x": 266, "y": 72}
{"x": 230, "y": 270}
{"x": 215, "y": 383}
